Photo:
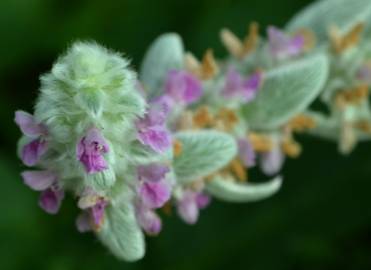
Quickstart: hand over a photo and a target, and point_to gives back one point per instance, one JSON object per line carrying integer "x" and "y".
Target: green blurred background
{"x": 320, "y": 219}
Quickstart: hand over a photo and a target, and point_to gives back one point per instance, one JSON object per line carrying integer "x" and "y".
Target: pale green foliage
{"x": 231, "y": 191}
{"x": 121, "y": 232}
{"x": 89, "y": 86}
{"x": 164, "y": 54}
{"x": 203, "y": 153}
{"x": 287, "y": 91}
{"x": 321, "y": 15}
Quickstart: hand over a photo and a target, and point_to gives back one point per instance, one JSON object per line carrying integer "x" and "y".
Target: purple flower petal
{"x": 163, "y": 103}
{"x": 155, "y": 194}
{"x": 202, "y": 200}
{"x": 158, "y": 138}
{"x": 238, "y": 87}
{"x": 97, "y": 212}
{"x": 187, "y": 207}
{"x": 90, "y": 151}
{"x": 283, "y": 46}
{"x": 33, "y": 151}
{"x": 51, "y": 199}
{"x": 83, "y": 222}
{"x": 153, "y": 172}
{"x": 39, "y": 180}
{"x": 148, "y": 220}
{"x": 28, "y": 125}
{"x": 246, "y": 152}
{"x": 272, "y": 162}
{"x": 183, "y": 86}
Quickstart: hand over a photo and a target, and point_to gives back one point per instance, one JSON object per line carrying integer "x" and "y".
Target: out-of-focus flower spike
{"x": 340, "y": 43}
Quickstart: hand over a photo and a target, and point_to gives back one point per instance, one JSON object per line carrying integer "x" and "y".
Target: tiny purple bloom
{"x": 272, "y": 161}
{"x": 90, "y": 151}
{"x": 33, "y": 151}
{"x": 28, "y": 124}
{"x": 202, "y": 200}
{"x": 189, "y": 205}
{"x": 183, "y": 86}
{"x": 153, "y": 172}
{"x": 238, "y": 87}
{"x": 188, "y": 208}
{"x": 283, "y": 46}
{"x": 155, "y": 194}
{"x": 152, "y": 129}
{"x": 51, "y": 199}
{"x": 39, "y": 180}
{"x": 148, "y": 220}
{"x": 97, "y": 212}
{"x": 246, "y": 152}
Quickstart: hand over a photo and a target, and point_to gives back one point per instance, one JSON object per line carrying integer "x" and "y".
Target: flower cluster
{"x": 131, "y": 147}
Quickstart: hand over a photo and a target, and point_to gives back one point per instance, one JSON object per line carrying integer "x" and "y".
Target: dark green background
{"x": 320, "y": 219}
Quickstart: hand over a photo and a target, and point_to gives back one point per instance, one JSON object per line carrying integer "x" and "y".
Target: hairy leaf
{"x": 321, "y": 15}
{"x": 165, "y": 53}
{"x": 227, "y": 190}
{"x": 203, "y": 153}
{"x": 287, "y": 91}
{"x": 121, "y": 233}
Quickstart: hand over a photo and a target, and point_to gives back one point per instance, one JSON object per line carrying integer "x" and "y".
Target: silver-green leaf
{"x": 230, "y": 191}
{"x": 321, "y": 15}
{"x": 165, "y": 53}
{"x": 204, "y": 152}
{"x": 287, "y": 91}
{"x": 121, "y": 233}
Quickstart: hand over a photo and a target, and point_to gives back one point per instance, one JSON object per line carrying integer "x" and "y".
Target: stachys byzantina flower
{"x": 81, "y": 138}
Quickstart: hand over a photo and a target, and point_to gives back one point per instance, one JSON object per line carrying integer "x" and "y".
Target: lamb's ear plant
{"x": 124, "y": 145}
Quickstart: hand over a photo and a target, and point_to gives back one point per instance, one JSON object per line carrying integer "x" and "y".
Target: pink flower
{"x": 183, "y": 86}
{"x": 90, "y": 151}
{"x": 189, "y": 205}
{"x": 246, "y": 152}
{"x": 154, "y": 190}
{"x": 148, "y": 220}
{"x": 283, "y": 46}
{"x": 238, "y": 87}
{"x": 47, "y": 182}
{"x": 94, "y": 206}
{"x": 272, "y": 161}
{"x": 152, "y": 130}
{"x": 36, "y": 148}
